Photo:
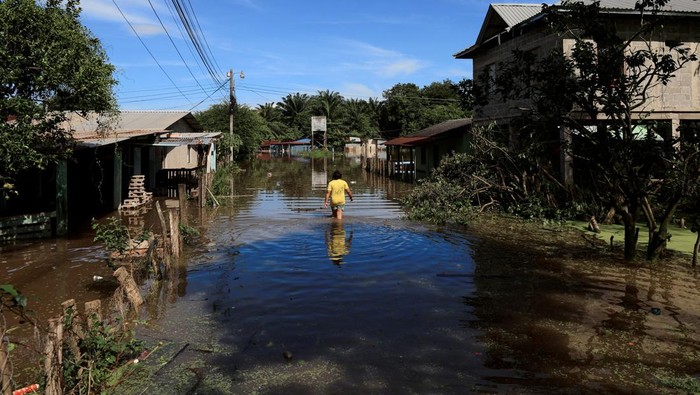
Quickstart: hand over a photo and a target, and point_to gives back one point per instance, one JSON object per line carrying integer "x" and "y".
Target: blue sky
{"x": 358, "y": 48}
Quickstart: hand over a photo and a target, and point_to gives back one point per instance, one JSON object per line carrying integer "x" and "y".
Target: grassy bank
{"x": 682, "y": 240}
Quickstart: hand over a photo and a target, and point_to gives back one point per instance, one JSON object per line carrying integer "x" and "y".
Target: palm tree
{"x": 357, "y": 119}
{"x": 374, "y": 110}
{"x": 295, "y": 111}
{"x": 269, "y": 112}
{"x": 328, "y": 103}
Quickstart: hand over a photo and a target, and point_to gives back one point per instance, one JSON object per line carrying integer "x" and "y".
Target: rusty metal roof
{"x": 406, "y": 141}
{"x": 432, "y": 132}
{"x": 98, "y": 130}
{"x": 178, "y": 139}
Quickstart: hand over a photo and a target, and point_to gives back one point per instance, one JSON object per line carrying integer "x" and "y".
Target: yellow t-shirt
{"x": 337, "y": 189}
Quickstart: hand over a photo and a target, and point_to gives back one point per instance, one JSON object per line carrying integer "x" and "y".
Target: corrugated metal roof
{"x": 431, "y": 132}
{"x": 443, "y": 127}
{"x": 178, "y": 139}
{"x": 500, "y": 18}
{"x": 95, "y": 129}
{"x": 406, "y": 141}
{"x": 690, "y": 6}
{"x": 512, "y": 14}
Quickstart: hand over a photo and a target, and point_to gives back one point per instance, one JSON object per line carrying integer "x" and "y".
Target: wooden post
{"x": 117, "y": 179}
{"x": 74, "y": 331}
{"x": 164, "y": 235}
{"x": 203, "y": 189}
{"x": 127, "y": 282}
{"x": 182, "y": 197}
{"x": 62, "y": 198}
{"x": 5, "y": 371}
{"x": 174, "y": 232}
{"x": 53, "y": 357}
{"x": 93, "y": 311}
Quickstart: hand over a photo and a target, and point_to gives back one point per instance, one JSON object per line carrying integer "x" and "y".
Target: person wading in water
{"x": 336, "y": 192}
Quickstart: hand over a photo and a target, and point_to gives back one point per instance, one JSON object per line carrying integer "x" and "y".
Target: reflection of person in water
{"x": 337, "y": 243}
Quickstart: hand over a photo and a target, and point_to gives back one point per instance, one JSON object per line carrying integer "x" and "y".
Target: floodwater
{"x": 280, "y": 298}
{"x": 276, "y": 297}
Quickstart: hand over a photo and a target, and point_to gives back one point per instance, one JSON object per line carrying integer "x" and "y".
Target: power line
{"x": 175, "y": 46}
{"x": 206, "y": 43}
{"x": 195, "y": 41}
{"x": 148, "y": 50}
{"x": 178, "y": 23}
{"x": 210, "y": 95}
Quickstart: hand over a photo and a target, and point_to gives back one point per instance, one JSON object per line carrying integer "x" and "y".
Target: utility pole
{"x": 232, "y": 107}
{"x": 232, "y": 103}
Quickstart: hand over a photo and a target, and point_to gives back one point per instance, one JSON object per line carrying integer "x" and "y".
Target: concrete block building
{"x": 509, "y": 27}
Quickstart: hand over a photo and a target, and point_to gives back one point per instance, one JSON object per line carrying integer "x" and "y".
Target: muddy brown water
{"x": 275, "y": 297}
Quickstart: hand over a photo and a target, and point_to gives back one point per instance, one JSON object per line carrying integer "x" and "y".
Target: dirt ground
{"x": 559, "y": 303}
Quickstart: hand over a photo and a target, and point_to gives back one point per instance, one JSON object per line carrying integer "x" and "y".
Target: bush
{"x": 113, "y": 234}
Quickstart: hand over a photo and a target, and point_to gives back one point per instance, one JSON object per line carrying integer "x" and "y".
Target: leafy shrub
{"x": 113, "y": 234}
{"x": 100, "y": 351}
{"x": 189, "y": 234}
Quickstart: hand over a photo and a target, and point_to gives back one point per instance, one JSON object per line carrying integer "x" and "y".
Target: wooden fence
{"x": 167, "y": 180}
{"x": 27, "y": 226}
{"x": 66, "y": 330}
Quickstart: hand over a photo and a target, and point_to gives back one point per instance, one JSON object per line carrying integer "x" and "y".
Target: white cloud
{"x": 361, "y": 91}
{"x": 379, "y": 61}
{"x": 140, "y": 16}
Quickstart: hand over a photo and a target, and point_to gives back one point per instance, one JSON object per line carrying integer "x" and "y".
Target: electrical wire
{"x": 195, "y": 41}
{"x": 206, "y": 43}
{"x": 175, "y": 46}
{"x": 148, "y": 50}
{"x": 210, "y": 95}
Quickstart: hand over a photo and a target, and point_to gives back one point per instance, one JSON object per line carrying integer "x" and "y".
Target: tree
{"x": 252, "y": 129}
{"x": 296, "y": 112}
{"x": 599, "y": 94}
{"x": 249, "y": 126}
{"x": 50, "y": 64}
{"x": 328, "y": 103}
{"x": 357, "y": 119}
{"x": 465, "y": 91}
{"x": 441, "y": 102}
{"x": 401, "y": 110}
{"x": 273, "y": 117}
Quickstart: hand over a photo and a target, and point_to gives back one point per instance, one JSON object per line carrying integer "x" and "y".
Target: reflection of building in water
{"x": 337, "y": 242}
{"x": 353, "y": 147}
{"x": 319, "y": 178}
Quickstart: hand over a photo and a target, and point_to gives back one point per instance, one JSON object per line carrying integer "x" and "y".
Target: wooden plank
{"x": 24, "y": 229}
{"x": 26, "y": 236}
{"x": 27, "y": 219}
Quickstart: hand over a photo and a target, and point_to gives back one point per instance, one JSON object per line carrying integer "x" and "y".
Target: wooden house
{"x": 165, "y": 147}
{"x": 414, "y": 156}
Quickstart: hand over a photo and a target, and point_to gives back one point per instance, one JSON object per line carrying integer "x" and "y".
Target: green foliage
{"x": 249, "y": 130}
{"x": 296, "y": 112}
{"x": 11, "y": 297}
{"x": 189, "y": 233}
{"x": 317, "y": 153}
{"x": 101, "y": 350}
{"x": 50, "y": 64}
{"x": 113, "y": 234}
{"x": 221, "y": 184}
{"x": 685, "y": 384}
{"x": 439, "y": 201}
{"x": 490, "y": 176}
{"x": 598, "y": 94}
